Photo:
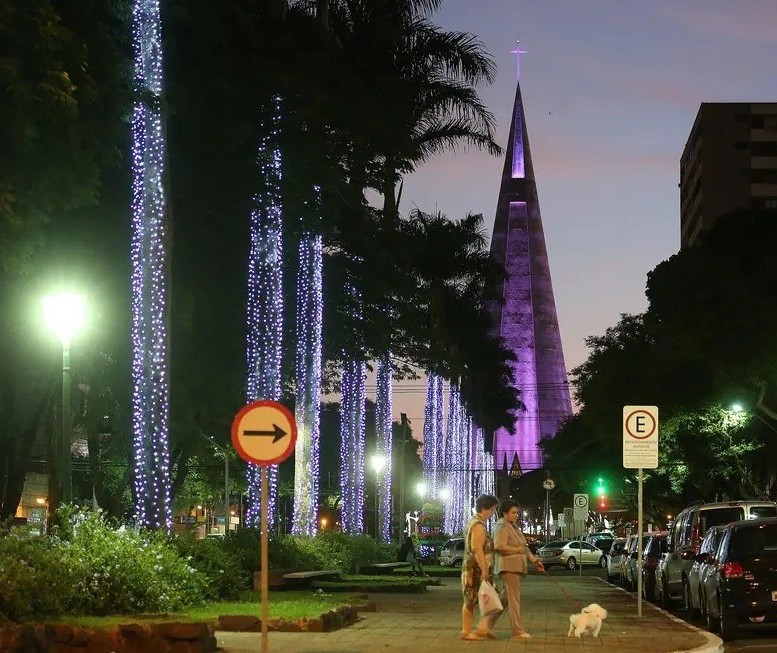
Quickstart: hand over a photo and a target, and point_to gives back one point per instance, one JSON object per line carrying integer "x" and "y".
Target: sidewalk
{"x": 430, "y": 623}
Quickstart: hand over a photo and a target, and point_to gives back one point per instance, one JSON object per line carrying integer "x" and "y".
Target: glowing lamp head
{"x": 737, "y": 408}
{"x": 421, "y": 489}
{"x": 65, "y": 314}
{"x": 378, "y": 463}
{"x": 445, "y": 494}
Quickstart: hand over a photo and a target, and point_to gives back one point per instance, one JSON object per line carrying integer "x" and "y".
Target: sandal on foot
{"x": 486, "y": 635}
{"x": 524, "y": 635}
{"x": 471, "y": 637}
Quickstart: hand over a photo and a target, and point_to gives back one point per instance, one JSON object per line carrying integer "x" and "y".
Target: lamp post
{"x": 378, "y": 462}
{"x": 64, "y": 313}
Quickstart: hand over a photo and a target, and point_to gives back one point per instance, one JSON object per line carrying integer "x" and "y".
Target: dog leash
{"x": 564, "y": 591}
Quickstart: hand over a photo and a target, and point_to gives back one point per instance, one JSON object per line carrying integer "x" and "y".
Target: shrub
{"x": 36, "y": 575}
{"x": 86, "y": 566}
{"x": 221, "y": 566}
{"x": 127, "y": 571}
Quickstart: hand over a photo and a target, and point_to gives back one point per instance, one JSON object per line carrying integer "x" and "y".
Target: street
{"x": 761, "y": 638}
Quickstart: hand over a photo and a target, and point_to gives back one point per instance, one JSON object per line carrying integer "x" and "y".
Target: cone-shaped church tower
{"x": 527, "y": 316}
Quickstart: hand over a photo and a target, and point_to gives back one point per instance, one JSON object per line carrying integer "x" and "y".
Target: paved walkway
{"x": 430, "y": 623}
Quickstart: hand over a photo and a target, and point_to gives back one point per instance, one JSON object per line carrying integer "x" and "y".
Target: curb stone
{"x": 714, "y": 643}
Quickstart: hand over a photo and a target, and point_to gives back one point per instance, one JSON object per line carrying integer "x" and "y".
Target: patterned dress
{"x": 471, "y": 576}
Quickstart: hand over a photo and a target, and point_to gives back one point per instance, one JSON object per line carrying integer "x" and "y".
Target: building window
{"x": 756, "y": 122}
{"x": 764, "y": 148}
{"x": 763, "y": 176}
{"x": 770, "y": 203}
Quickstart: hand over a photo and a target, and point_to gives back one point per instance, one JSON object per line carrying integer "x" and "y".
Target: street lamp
{"x": 421, "y": 489}
{"x": 378, "y": 462}
{"x": 64, "y": 314}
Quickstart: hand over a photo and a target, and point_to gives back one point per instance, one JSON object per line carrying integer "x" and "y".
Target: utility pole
{"x": 402, "y": 453}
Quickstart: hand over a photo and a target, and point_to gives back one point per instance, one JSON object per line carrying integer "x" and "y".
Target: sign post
{"x": 264, "y": 433}
{"x": 640, "y": 451}
{"x": 548, "y": 484}
{"x": 580, "y": 511}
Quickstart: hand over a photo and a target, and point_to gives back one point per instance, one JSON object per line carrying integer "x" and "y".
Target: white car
{"x": 571, "y": 553}
{"x": 452, "y": 553}
{"x": 614, "y": 557}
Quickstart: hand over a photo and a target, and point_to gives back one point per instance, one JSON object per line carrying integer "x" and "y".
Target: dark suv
{"x": 743, "y": 585}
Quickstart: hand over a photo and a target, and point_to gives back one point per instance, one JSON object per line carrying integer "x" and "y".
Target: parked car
{"x": 602, "y": 540}
{"x": 654, "y": 549}
{"x": 629, "y": 562}
{"x": 614, "y": 555}
{"x": 687, "y": 531}
{"x": 571, "y": 553}
{"x": 702, "y": 565}
{"x": 743, "y": 585}
{"x": 452, "y": 553}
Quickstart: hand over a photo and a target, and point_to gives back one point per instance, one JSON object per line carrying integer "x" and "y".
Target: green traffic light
{"x": 601, "y": 489}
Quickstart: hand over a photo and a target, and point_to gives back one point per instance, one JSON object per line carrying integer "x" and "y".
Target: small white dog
{"x": 588, "y": 620}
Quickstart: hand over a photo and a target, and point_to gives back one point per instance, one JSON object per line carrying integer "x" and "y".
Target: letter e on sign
{"x": 640, "y": 437}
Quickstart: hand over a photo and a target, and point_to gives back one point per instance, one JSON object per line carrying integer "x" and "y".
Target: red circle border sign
{"x": 640, "y": 437}
{"x": 263, "y": 403}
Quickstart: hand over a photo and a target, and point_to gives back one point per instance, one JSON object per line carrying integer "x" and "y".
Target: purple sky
{"x": 611, "y": 89}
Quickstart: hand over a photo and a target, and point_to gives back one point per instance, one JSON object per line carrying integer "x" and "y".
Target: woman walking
{"x": 511, "y": 561}
{"x": 476, "y": 568}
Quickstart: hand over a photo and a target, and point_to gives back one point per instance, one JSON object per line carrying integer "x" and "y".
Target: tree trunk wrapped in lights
{"x": 150, "y": 272}
{"x": 384, "y": 444}
{"x": 265, "y": 296}
{"x": 307, "y": 380}
{"x": 433, "y": 449}
{"x": 352, "y": 416}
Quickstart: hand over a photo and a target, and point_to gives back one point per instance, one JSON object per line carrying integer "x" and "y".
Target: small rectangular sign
{"x": 640, "y": 437}
{"x": 580, "y": 507}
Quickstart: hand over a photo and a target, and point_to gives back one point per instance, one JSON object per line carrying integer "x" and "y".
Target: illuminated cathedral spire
{"x": 527, "y": 316}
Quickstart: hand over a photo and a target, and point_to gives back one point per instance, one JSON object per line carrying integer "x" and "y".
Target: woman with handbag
{"x": 476, "y": 568}
{"x": 512, "y": 561}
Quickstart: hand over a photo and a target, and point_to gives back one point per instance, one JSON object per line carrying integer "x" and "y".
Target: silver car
{"x": 699, "y": 569}
{"x": 614, "y": 556}
{"x": 452, "y": 553}
{"x": 571, "y": 553}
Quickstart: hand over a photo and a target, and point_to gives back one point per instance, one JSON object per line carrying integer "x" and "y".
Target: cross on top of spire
{"x": 518, "y": 52}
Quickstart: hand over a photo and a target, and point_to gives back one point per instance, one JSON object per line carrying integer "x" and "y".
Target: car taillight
{"x": 732, "y": 570}
{"x": 695, "y": 540}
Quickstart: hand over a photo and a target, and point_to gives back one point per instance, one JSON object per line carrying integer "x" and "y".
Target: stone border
{"x": 170, "y": 637}
{"x": 327, "y": 622}
{"x": 714, "y": 644}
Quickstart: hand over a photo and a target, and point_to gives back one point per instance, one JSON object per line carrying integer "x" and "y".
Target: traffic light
{"x": 601, "y": 491}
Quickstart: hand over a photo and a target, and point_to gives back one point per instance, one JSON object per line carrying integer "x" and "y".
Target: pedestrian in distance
{"x": 407, "y": 553}
{"x": 511, "y": 561}
{"x": 476, "y": 567}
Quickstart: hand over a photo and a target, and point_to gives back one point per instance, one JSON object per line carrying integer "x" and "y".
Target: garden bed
{"x": 381, "y": 583}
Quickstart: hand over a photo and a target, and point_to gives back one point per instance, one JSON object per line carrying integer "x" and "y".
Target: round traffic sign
{"x": 549, "y": 484}
{"x": 264, "y": 432}
{"x": 640, "y": 424}
{"x": 581, "y": 500}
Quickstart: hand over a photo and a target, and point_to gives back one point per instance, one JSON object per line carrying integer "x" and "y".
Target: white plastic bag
{"x": 488, "y": 599}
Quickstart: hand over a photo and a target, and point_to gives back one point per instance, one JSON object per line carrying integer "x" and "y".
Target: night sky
{"x": 611, "y": 89}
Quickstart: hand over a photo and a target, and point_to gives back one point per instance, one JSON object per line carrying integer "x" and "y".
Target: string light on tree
{"x": 352, "y": 418}
{"x": 307, "y": 376}
{"x": 265, "y": 294}
{"x": 383, "y": 412}
{"x": 431, "y": 458}
{"x": 150, "y": 267}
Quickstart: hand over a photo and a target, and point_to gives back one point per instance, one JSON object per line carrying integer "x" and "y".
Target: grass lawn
{"x": 283, "y": 605}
